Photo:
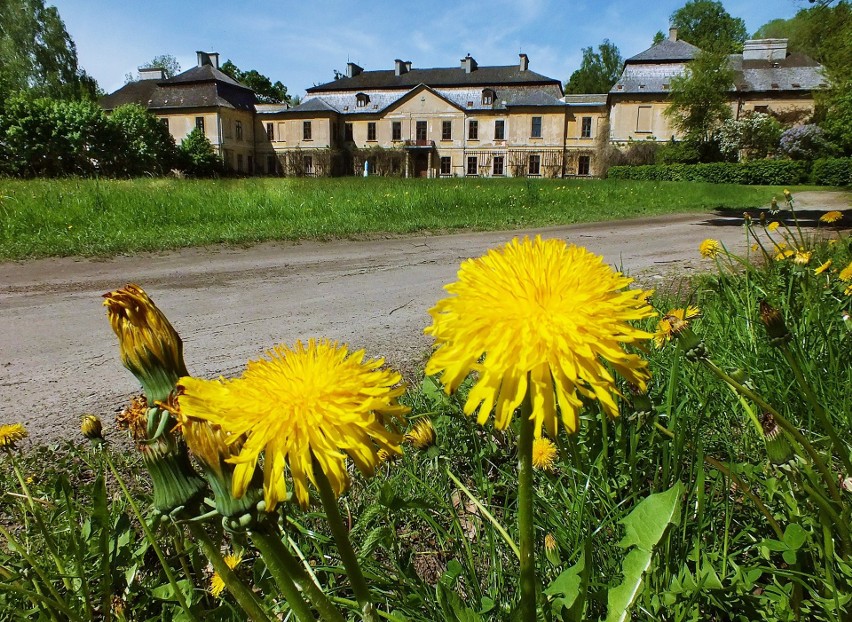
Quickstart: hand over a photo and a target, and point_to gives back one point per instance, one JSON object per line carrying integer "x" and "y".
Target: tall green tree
{"x": 598, "y": 71}
{"x": 699, "y": 99}
{"x": 267, "y": 92}
{"x": 37, "y": 54}
{"x": 706, "y": 24}
{"x": 145, "y": 146}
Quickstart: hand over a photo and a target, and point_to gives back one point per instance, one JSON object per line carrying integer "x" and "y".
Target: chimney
{"x": 771, "y": 50}
{"x": 408, "y": 65}
{"x": 208, "y": 58}
{"x": 672, "y": 34}
{"x": 152, "y": 73}
{"x": 401, "y": 67}
{"x": 468, "y": 64}
{"x": 214, "y": 58}
{"x": 525, "y": 62}
{"x": 353, "y": 70}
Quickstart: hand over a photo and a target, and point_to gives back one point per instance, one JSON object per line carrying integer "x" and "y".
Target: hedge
{"x": 759, "y": 172}
{"x": 832, "y": 172}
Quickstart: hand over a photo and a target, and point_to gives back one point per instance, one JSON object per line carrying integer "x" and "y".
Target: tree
{"x": 699, "y": 99}
{"x": 707, "y": 25}
{"x": 197, "y": 155}
{"x": 38, "y": 54}
{"x": 753, "y": 136}
{"x": 145, "y": 145}
{"x": 264, "y": 89}
{"x": 598, "y": 70}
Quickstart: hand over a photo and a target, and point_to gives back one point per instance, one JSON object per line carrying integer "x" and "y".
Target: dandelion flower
{"x": 784, "y": 253}
{"x": 787, "y": 195}
{"x": 710, "y": 248}
{"x": 831, "y": 217}
{"x": 846, "y": 274}
{"x": 673, "y": 323}
{"x": 773, "y": 225}
{"x": 422, "y": 435}
{"x": 217, "y": 583}
{"x": 543, "y": 454}
{"x": 755, "y": 247}
{"x": 314, "y": 402}
{"x": 848, "y": 291}
{"x": 541, "y": 311}
{"x": 823, "y": 267}
{"x": 802, "y": 257}
{"x": 10, "y": 434}
{"x": 91, "y": 427}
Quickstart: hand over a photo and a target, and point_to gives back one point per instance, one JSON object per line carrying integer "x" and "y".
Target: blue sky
{"x": 302, "y": 43}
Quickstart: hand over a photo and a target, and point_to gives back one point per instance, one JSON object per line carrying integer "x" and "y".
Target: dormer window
{"x": 488, "y": 97}
{"x": 361, "y": 100}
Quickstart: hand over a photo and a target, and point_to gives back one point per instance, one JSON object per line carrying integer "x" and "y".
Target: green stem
{"x": 841, "y": 525}
{"x": 151, "y": 540}
{"x": 819, "y": 411}
{"x": 344, "y": 545}
{"x": 282, "y": 566}
{"x": 238, "y": 589}
{"x": 526, "y": 523}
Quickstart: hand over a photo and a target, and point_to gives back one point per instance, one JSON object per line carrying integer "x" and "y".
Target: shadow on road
{"x": 807, "y": 218}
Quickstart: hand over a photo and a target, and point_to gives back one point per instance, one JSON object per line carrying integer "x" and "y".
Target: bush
{"x": 196, "y": 155}
{"x": 678, "y": 153}
{"x": 760, "y": 172}
{"x": 754, "y": 136}
{"x": 832, "y": 172}
{"x": 147, "y": 147}
{"x": 806, "y": 142}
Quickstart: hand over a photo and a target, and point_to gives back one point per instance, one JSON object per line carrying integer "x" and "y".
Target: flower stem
{"x": 269, "y": 546}
{"x": 526, "y": 524}
{"x": 238, "y": 589}
{"x": 344, "y": 546}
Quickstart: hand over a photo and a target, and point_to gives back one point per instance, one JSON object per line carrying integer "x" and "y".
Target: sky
{"x": 303, "y": 43}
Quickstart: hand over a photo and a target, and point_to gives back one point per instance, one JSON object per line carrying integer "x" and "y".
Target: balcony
{"x": 420, "y": 143}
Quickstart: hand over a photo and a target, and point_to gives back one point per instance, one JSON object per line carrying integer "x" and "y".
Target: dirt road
{"x": 59, "y": 357}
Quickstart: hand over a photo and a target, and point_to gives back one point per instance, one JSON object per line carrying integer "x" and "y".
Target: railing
{"x": 420, "y": 142}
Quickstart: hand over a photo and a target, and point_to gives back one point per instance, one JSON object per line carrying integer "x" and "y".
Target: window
{"x": 586, "y": 127}
{"x": 270, "y": 131}
{"x": 238, "y": 129}
{"x": 487, "y": 97}
{"x": 643, "y": 119}
{"x": 446, "y": 130}
{"x": 361, "y": 100}
{"x": 306, "y": 130}
{"x": 251, "y": 165}
{"x": 446, "y": 166}
{"x": 498, "y": 166}
{"x": 239, "y": 162}
{"x": 371, "y": 130}
{"x": 165, "y": 122}
{"x": 396, "y": 130}
{"x": 271, "y": 166}
{"x": 583, "y": 164}
{"x": 420, "y": 130}
{"x": 472, "y": 165}
{"x": 348, "y": 136}
{"x": 199, "y": 124}
{"x": 308, "y": 164}
{"x": 763, "y": 109}
{"x": 473, "y": 130}
{"x": 534, "y": 167}
{"x": 499, "y": 129}
{"x": 536, "y": 127}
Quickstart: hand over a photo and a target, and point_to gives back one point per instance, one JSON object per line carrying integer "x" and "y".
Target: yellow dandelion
{"x": 773, "y": 225}
{"x": 755, "y": 247}
{"x": 787, "y": 195}
{"x": 783, "y": 254}
{"x": 831, "y": 217}
{"x": 823, "y": 267}
{"x": 543, "y": 454}
{"x": 710, "y": 248}
{"x": 673, "y": 323}
{"x": 217, "y": 583}
{"x": 422, "y": 435}
{"x": 848, "y": 290}
{"x": 11, "y": 433}
{"x": 802, "y": 257}
{"x": 91, "y": 427}
{"x": 305, "y": 404}
{"x": 543, "y": 317}
{"x": 846, "y": 274}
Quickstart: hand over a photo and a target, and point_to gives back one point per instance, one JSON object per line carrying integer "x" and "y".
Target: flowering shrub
{"x": 753, "y": 136}
{"x": 805, "y": 142}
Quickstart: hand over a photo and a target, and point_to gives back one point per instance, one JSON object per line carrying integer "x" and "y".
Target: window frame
{"x": 199, "y": 124}
{"x": 307, "y": 130}
{"x": 502, "y": 171}
{"x": 270, "y": 131}
{"x": 581, "y": 161}
{"x": 650, "y": 119}
{"x": 446, "y": 172}
{"x": 396, "y": 130}
{"x": 501, "y": 134}
{"x": 308, "y": 164}
{"x": 238, "y": 130}
{"x": 535, "y": 127}
{"x": 473, "y": 129}
{"x": 371, "y": 131}
{"x": 421, "y": 125}
{"x": 446, "y": 130}
{"x": 585, "y": 127}
{"x": 534, "y": 157}
{"x": 475, "y": 161}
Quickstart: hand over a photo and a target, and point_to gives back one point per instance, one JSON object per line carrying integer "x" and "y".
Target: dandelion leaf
{"x": 569, "y": 589}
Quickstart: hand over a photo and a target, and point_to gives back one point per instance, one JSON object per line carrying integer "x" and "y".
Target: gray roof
{"x": 137, "y": 92}
{"x": 586, "y": 99}
{"x": 666, "y": 51}
{"x": 652, "y": 78}
{"x": 205, "y": 73}
{"x": 435, "y": 77}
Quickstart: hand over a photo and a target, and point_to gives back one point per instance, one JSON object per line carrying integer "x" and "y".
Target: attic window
{"x": 665, "y": 85}
{"x": 641, "y": 86}
{"x": 620, "y": 87}
{"x": 488, "y": 97}
{"x": 361, "y": 100}
{"x": 375, "y": 106}
{"x": 775, "y": 85}
{"x": 796, "y": 85}
{"x": 470, "y": 104}
{"x": 345, "y": 108}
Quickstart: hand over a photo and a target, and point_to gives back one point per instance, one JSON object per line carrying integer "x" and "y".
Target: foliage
{"x": 832, "y": 172}
{"x": 838, "y": 115}
{"x": 805, "y": 142}
{"x": 146, "y": 147}
{"x": 196, "y": 155}
{"x": 166, "y": 62}
{"x": 699, "y": 98}
{"x": 38, "y": 55}
{"x": 263, "y": 87}
{"x": 707, "y": 25}
{"x": 753, "y": 136}
{"x": 678, "y": 152}
{"x": 758, "y": 172}
{"x": 598, "y": 71}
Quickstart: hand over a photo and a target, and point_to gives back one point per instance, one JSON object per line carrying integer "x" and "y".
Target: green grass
{"x": 43, "y": 218}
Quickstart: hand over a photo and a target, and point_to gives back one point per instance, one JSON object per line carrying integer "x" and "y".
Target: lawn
{"x": 43, "y": 218}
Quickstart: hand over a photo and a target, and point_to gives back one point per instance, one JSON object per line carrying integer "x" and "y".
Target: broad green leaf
{"x": 570, "y": 589}
{"x": 795, "y": 536}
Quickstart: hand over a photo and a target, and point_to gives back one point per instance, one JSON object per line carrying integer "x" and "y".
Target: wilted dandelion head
{"x": 543, "y": 454}
{"x": 134, "y": 419}
{"x": 422, "y": 435}
{"x": 540, "y": 317}
{"x": 217, "y": 583}
{"x": 709, "y": 248}
{"x": 831, "y": 217}
{"x": 305, "y": 404}
{"x": 823, "y": 267}
{"x": 673, "y": 322}
{"x": 10, "y": 434}
{"x": 549, "y": 542}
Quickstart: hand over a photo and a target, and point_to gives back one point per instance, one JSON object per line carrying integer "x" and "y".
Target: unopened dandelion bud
{"x": 777, "y": 448}
{"x": 776, "y": 328}
{"x": 551, "y": 550}
{"x": 422, "y": 435}
{"x": 740, "y": 375}
{"x": 763, "y": 214}
{"x": 91, "y": 428}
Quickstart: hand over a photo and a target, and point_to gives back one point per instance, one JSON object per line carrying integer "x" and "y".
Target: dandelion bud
{"x": 774, "y": 323}
{"x": 763, "y": 214}
{"x": 740, "y": 375}
{"x": 91, "y": 428}
{"x": 787, "y": 195}
{"x": 777, "y": 448}
{"x": 422, "y": 435}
